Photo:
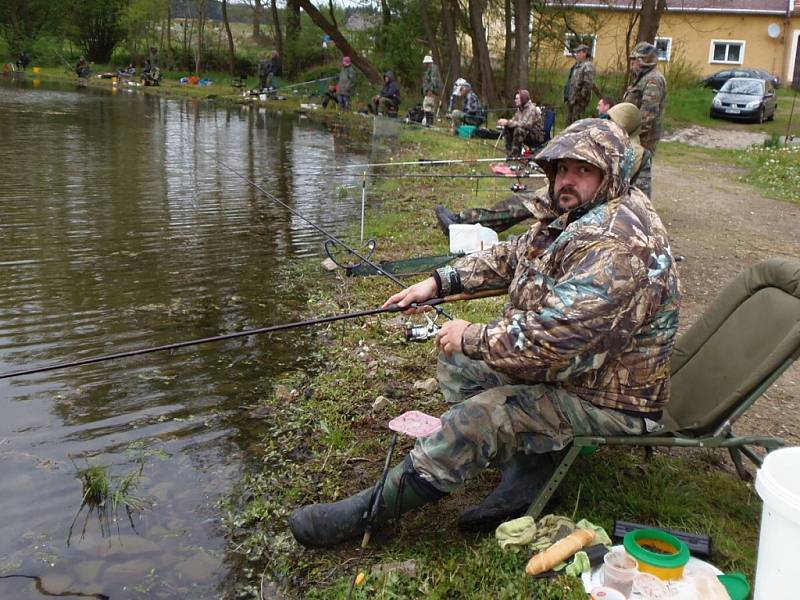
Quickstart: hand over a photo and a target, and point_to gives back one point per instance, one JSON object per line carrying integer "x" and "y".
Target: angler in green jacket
{"x": 582, "y": 348}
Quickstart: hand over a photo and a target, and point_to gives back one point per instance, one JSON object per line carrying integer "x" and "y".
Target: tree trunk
{"x": 453, "y": 50}
{"x": 522, "y": 42}
{"x": 430, "y": 31}
{"x": 650, "y": 20}
{"x": 366, "y": 67}
{"x": 292, "y": 34}
{"x": 481, "y": 52}
{"x": 509, "y": 55}
{"x": 168, "y": 55}
{"x": 333, "y": 14}
{"x": 231, "y": 51}
{"x": 258, "y": 11}
{"x": 276, "y": 27}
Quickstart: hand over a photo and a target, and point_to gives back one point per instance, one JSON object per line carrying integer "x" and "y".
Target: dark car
{"x": 718, "y": 79}
{"x": 745, "y": 98}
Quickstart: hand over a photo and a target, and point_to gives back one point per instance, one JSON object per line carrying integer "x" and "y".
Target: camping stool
{"x": 392, "y": 111}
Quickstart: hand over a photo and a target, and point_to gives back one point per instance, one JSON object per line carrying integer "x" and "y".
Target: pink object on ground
{"x": 416, "y": 424}
{"x": 502, "y": 170}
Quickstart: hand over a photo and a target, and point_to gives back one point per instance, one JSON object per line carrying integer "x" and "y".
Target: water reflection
{"x": 120, "y": 231}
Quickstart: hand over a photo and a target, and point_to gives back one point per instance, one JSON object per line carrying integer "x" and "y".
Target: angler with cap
{"x": 526, "y": 205}
{"x": 525, "y": 128}
{"x": 648, "y": 93}
{"x": 578, "y": 90}
{"x": 346, "y": 86}
{"x": 582, "y": 348}
{"x": 455, "y": 94}
{"x": 472, "y": 111}
{"x": 431, "y": 88}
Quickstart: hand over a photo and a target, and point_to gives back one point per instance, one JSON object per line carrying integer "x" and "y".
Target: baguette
{"x": 559, "y": 552}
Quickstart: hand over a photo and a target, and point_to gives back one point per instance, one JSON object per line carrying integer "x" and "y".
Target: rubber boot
{"x": 446, "y": 218}
{"x": 322, "y": 525}
{"x": 523, "y": 477}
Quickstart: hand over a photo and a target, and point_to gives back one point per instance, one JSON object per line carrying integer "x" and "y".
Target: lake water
{"x": 121, "y": 230}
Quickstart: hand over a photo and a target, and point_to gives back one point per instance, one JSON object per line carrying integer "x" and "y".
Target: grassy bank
{"x": 328, "y": 442}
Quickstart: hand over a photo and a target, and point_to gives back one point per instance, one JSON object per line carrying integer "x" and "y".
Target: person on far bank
{"x": 82, "y": 69}
{"x": 347, "y": 83}
{"x": 23, "y": 60}
{"x": 472, "y": 111}
{"x": 525, "y": 128}
{"x": 431, "y": 88}
{"x": 648, "y": 93}
{"x": 388, "y": 99}
{"x": 455, "y": 95}
{"x": 578, "y": 89}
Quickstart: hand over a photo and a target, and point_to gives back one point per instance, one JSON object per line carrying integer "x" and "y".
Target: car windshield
{"x": 748, "y": 87}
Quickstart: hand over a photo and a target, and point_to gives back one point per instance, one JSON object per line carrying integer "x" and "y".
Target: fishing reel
{"x": 422, "y": 332}
{"x": 519, "y": 187}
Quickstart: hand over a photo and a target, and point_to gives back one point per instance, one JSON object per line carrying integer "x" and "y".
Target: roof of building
{"x": 766, "y": 7}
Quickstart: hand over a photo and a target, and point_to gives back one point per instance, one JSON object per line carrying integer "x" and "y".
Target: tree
{"x": 231, "y": 51}
{"x": 453, "y": 50}
{"x": 522, "y": 44}
{"x": 366, "y": 67}
{"x": 481, "y": 51}
{"x": 292, "y": 35}
{"x": 22, "y": 20}
{"x": 650, "y": 19}
{"x": 276, "y": 27}
{"x": 94, "y": 26}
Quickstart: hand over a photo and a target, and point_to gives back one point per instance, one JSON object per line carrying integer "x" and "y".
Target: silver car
{"x": 745, "y": 98}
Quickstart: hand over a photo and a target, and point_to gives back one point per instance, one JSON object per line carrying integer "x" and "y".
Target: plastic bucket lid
{"x": 736, "y": 585}
{"x": 778, "y": 483}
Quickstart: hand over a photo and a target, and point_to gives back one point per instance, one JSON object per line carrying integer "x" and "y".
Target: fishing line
{"x": 425, "y": 162}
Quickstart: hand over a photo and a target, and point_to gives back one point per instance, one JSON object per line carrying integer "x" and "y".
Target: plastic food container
{"x": 650, "y": 587}
{"x": 658, "y": 552}
{"x": 466, "y": 238}
{"x": 619, "y": 569}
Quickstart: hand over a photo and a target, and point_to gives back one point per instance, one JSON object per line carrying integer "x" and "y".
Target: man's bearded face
{"x": 576, "y": 183}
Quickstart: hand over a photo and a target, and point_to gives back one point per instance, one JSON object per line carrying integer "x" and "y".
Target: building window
{"x": 727, "y": 52}
{"x": 573, "y": 40}
{"x": 664, "y": 46}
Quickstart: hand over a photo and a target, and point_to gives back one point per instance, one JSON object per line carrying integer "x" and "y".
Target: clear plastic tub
{"x": 619, "y": 569}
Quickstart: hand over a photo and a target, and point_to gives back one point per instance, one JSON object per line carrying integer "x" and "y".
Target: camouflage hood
{"x": 599, "y": 142}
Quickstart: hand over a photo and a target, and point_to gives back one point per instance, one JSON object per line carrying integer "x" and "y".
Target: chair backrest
{"x": 742, "y": 341}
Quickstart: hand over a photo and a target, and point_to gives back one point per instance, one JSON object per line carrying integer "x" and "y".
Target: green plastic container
{"x": 466, "y": 131}
{"x": 737, "y": 585}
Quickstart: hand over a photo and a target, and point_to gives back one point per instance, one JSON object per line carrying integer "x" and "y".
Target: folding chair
{"x": 748, "y": 336}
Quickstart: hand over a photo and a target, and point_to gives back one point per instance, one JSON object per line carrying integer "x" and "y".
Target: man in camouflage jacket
{"x": 649, "y": 93}
{"x": 578, "y": 91}
{"x": 583, "y": 347}
{"x": 431, "y": 88}
{"x": 526, "y": 127}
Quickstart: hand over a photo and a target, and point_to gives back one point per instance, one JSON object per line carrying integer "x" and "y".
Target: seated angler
{"x": 583, "y": 347}
{"x": 525, "y": 128}
{"x": 526, "y": 205}
{"x": 472, "y": 111}
{"x": 388, "y": 99}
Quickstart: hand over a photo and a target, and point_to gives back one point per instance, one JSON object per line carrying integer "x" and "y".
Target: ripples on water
{"x": 118, "y": 232}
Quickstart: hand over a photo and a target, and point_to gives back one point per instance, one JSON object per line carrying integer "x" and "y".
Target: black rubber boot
{"x": 321, "y": 525}
{"x": 446, "y": 218}
{"x": 523, "y": 477}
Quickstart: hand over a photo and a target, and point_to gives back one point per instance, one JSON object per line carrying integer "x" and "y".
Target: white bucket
{"x": 465, "y": 239}
{"x": 778, "y": 484}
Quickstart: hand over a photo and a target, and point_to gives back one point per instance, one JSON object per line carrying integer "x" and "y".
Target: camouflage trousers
{"x": 501, "y": 216}
{"x": 494, "y": 417}
{"x": 575, "y": 112}
{"x": 644, "y": 178}
{"x": 516, "y": 138}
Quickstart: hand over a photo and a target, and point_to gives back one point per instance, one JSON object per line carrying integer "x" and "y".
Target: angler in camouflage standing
{"x": 521, "y": 206}
{"x": 583, "y": 347}
{"x": 526, "y": 127}
{"x": 649, "y": 93}
{"x": 431, "y": 89}
{"x": 578, "y": 90}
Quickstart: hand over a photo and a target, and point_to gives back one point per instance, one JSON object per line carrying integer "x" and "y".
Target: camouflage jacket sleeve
{"x": 472, "y": 104}
{"x": 529, "y": 118}
{"x": 581, "y": 318}
{"x": 652, "y": 98}
{"x": 490, "y": 269}
{"x": 432, "y": 81}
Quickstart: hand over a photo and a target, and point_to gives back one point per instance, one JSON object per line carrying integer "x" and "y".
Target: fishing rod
{"x": 424, "y": 162}
{"x": 286, "y": 87}
{"x": 392, "y": 308}
{"x": 456, "y": 176}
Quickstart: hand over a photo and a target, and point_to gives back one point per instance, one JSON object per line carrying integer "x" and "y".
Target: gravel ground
{"x": 721, "y": 226}
{"x": 730, "y": 139}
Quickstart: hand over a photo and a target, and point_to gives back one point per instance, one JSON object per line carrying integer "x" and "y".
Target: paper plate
{"x": 416, "y": 424}
{"x": 595, "y": 577}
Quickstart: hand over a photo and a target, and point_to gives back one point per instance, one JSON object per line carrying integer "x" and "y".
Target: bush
{"x": 680, "y": 73}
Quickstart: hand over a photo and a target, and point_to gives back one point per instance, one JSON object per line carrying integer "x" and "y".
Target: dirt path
{"x": 721, "y": 226}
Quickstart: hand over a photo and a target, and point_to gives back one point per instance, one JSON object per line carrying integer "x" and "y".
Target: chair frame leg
{"x": 555, "y": 480}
